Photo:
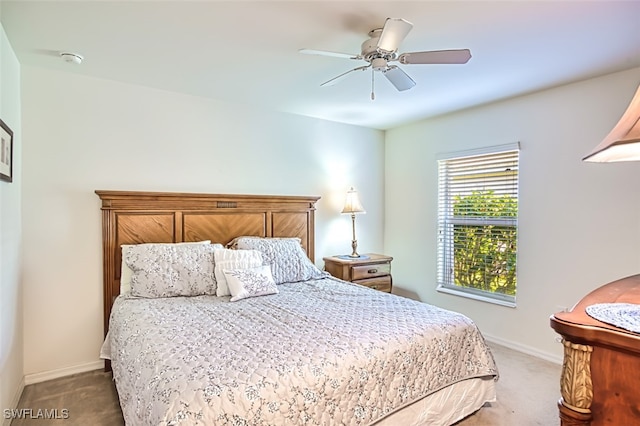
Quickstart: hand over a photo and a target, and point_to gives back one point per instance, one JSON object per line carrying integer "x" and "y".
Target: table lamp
{"x": 352, "y": 206}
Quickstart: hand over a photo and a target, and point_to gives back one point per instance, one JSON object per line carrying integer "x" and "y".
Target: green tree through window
{"x": 484, "y": 256}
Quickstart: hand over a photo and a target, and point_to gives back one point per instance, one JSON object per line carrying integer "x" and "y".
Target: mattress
{"x": 446, "y": 406}
{"x": 319, "y": 352}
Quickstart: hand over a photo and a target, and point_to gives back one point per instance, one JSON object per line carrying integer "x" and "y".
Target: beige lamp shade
{"x": 623, "y": 142}
{"x": 352, "y": 203}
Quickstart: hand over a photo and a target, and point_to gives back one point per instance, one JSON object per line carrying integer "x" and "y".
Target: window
{"x": 478, "y": 223}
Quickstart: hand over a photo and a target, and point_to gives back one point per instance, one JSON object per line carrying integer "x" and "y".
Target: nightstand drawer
{"x": 370, "y": 271}
{"x": 380, "y": 283}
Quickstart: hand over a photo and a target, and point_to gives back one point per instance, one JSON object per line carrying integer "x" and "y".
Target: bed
{"x": 294, "y": 347}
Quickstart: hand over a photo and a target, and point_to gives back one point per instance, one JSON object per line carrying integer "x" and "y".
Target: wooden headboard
{"x": 164, "y": 217}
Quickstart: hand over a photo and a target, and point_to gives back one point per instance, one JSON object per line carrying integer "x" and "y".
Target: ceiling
{"x": 246, "y": 52}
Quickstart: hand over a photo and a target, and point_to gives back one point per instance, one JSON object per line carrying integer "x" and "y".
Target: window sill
{"x": 475, "y": 296}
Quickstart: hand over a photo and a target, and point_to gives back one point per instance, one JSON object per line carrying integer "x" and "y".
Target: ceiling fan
{"x": 382, "y": 48}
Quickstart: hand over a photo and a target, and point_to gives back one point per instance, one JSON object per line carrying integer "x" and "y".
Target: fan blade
{"x": 334, "y": 80}
{"x": 327, "y": 53}
{"x": 393, "y": 32}
{"x": 460, "y": 56}
{"x": 399, "y": 78}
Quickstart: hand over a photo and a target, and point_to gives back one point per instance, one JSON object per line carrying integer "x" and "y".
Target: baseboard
{"x": 524, "y": 349}
{"x": 15, "y": 401}
{"x": 30, "y": 379}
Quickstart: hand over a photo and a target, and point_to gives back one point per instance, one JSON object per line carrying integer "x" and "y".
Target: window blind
{"x": 477, "y": 222}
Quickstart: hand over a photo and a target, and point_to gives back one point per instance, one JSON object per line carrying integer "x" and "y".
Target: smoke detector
{"x": 72, "y": 58}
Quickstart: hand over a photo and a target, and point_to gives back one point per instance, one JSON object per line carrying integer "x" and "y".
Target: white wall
{"x": 83, "y": 134}
{"x": 579, "y": 223}
{"x": 11, "y": 332}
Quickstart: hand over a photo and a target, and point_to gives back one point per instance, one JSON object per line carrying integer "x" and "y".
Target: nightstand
{"x": 373, "y": 271}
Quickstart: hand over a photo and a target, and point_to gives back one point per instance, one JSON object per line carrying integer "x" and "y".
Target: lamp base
{"x": 354, "y": 245}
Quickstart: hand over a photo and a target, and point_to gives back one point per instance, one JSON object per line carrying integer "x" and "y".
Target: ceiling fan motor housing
{"x": 369, "y": 49}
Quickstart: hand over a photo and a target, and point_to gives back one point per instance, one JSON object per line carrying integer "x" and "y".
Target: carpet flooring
{"x": 528, "y": 391}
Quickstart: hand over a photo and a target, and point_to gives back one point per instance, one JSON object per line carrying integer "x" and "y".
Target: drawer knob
{"x": 372, "y": 271}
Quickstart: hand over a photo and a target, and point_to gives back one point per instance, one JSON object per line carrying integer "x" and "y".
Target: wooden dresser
{"x": 373, "y": 271}
{"x": 600, "y": 383}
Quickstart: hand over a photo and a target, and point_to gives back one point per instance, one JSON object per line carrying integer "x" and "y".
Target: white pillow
{"x": 232, "y": 259}
{"x": 250, "y": 282}
{"x": 126, "y": 272}
{"x": 169, "y": 270}
{"x": 288, "y": 260}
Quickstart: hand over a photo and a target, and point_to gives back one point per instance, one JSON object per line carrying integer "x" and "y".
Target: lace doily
{"x": 622, "y": 315}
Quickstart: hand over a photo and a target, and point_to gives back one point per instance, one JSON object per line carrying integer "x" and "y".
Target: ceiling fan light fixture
{"x": 379, "y": 64}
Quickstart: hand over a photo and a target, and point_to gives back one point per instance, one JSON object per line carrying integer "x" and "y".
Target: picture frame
{"x": 6, "y": 152}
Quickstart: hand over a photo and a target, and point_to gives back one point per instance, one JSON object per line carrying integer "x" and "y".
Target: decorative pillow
{"x": 289, "y": 263}
{"x": 232, "y": 259}
{"x": 167, "y": 270}
{"x": 250, "y": 282}
{"x": 126, "y": 272}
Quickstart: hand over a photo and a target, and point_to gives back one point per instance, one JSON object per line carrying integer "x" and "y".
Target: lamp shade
{"x": 623, "y": 142}
{"x": 352, "y": 203}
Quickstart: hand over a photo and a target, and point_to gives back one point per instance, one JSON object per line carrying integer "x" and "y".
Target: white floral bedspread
{"x": 320, "y": 352}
